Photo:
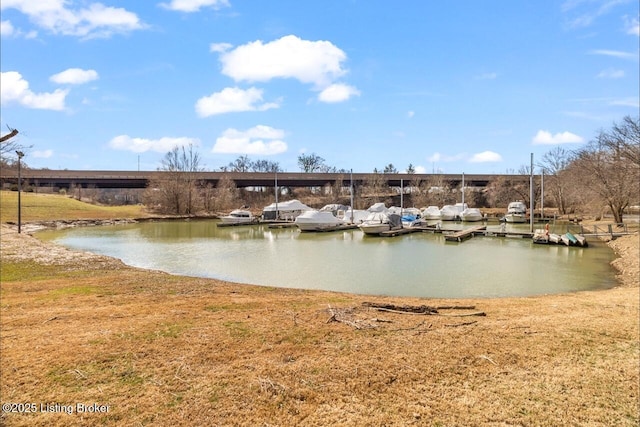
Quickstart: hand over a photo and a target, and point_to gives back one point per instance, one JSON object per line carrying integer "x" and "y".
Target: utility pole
{"x": 20, "y": 156}
{"x": 531, "y": 196}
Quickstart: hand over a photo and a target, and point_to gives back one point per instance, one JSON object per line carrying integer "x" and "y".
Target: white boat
{"x": 448, "y": 213}
{"x": 287, "y": 211}
{"x": 516, "y": 212}
{"x": 378, "y": 222}
{"x": 460, "y": 207}
{"x": 355, "y": 216}
{"x": 541, "y": 236}
{"x": 431, "y": 213}
{"x": 581, "y": 240}
{"x": 471, "y": 215}
{"x": 328, "y": 217}
{"x": 554, "y": 238}
{"x": 238, "y": 216}
{"x": 412, "y": 217}
{"x": 377, "y": 207}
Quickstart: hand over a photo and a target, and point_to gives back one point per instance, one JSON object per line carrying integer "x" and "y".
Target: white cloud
{"x": 626, "y": 102}
{"x": 410, "y": 114}
{"x": 220, "y": 47}
{"x": 259, "y": 140}
{"x": 610, "y": 73}
{"x": 95, "y": 20}
{"x": 615, "y": 54}
{"x": 590, "y": 11}
{"x": 141, "y": 145}
{"x": 435, "y": 157}
{"x": 6, "y": 29}
{"x": 13, "y": 88}
{"x": 337, "y": 92}
{"x": 232, "y": 99}
{"x": 317, "y": 62}
{"x": 194, "y": 5}
{"x": 420, "y": 169}
{"x": 438, "y": 157}
{"x": 485, "y": 157}
{"x": 42, "y": 154}
{"x": 546, "y": 138}
{"x": 74, "y": 76}
{"x": 632, "y": 26}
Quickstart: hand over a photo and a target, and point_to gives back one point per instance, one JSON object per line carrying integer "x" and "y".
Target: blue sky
{"x": 456, "y": 86}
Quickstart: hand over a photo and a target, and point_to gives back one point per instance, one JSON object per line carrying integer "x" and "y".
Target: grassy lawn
{"x": 156, "y": 349}
{"x": 47, "y": 207}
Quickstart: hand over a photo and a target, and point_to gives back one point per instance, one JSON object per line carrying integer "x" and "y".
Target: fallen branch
{"x": 476, "y": 313}
{"x": 482, "y": 356}
{"x": 388, "y": 310}
{"x": 455, "y": 307}
{"x": 455, "y": 325}
{"x": 340, "y": 316}
{"x": 50, "y": 319}
{"x": 413, "y": 309}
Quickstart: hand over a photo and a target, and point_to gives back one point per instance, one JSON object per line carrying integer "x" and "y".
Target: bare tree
{"x": 557, "y": 181}
{"x": 265, "y": 166}
{"x": 606, "y": 169}
{"x": 241, "y": 164}
{"x": 226, "y": 193}
{"x": 7, "y": 137}
{"x": 309, "y": 163}
{"x": 624, "y": 138}
{"x": 9, "y": 144}
{"x": 177, "y": 192}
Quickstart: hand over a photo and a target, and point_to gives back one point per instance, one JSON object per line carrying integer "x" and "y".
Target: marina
{"x": 411, "y": 262}
{"x": 578, "y": 237}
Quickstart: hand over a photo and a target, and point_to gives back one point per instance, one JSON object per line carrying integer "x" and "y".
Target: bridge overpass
{"x": 141, "y": 179}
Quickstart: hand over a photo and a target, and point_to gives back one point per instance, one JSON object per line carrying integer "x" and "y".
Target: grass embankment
{"x": 168, "y": 350}
{"x": 46, "y": 207}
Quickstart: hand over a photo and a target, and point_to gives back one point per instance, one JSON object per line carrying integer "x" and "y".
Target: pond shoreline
{"x": 80, "y": 327}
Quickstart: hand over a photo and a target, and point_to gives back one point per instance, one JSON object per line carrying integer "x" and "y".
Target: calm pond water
{"x": 418, "y": 264}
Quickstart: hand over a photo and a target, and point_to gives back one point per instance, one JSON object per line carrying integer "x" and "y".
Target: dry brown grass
{"x": 167, "y": 350}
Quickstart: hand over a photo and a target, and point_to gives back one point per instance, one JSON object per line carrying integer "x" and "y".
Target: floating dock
{"x": 400, "y": 231}
{"x": 461, "y": 235}
{"x": 332, "y": 228}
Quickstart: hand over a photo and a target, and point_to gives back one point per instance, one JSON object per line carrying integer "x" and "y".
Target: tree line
{"x": 601, "y": 176}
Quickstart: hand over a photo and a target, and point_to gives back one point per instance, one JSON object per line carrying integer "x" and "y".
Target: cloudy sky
{"x": 456, "y": 86}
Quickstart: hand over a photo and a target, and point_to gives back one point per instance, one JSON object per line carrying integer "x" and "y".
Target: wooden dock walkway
{"x": 399, "y": 231}
{"x": 461, "y": 235}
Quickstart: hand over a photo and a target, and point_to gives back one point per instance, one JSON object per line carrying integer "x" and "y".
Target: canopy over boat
{"x": 287, "y": 210}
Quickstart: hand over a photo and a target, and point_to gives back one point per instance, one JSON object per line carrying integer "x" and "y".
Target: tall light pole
{"x": 20, "y": 156}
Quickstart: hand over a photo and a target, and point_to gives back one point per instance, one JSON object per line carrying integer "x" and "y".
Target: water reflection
{"x": 419, "y": 264}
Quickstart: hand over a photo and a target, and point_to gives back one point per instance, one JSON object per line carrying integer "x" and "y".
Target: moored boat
{"x": 328, "y": 217}
{"x": 581, "y": 240}
{"x": 287, "y": 211}
{"x": 379, "y": 222}
{"x": 572, "y": 239}
{"x": 238, "y": 216}
{"x": 431, "y": 213}
{"x": 448, "y": 213}
{"x": 471, "y": 215}
{"x": 516, "y": 212}
{"x": 541, "y": 236}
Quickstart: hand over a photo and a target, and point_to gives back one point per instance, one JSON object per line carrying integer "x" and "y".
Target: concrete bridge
{"x": 140, "y": 179}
